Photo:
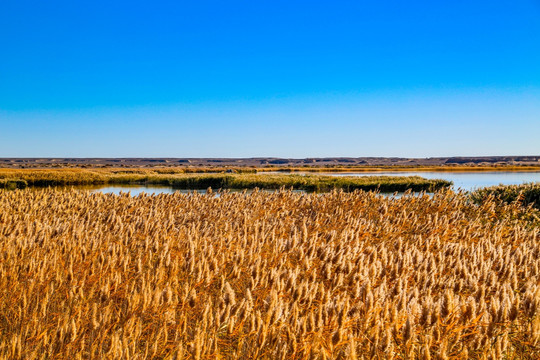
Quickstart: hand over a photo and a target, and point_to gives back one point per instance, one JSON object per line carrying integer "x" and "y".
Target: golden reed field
{"x": 266, "y": 276}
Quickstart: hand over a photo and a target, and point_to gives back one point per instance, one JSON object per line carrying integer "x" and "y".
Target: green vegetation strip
{"x": 21, "y": 179}
{"x": 11, "y": 184}
{"x": 526, "y": 194}
{"x": 302, "y": 182}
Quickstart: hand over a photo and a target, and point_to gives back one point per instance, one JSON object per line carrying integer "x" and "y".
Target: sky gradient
{"x": 269, "y": 78}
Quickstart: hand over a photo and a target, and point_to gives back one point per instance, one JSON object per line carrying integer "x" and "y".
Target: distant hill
{"x": 266, "y": 162}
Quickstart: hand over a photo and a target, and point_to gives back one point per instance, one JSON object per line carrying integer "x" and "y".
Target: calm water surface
{"x": 465, "y": 180}
{"x": 135, "y": 190}
{"x": 462, "y": 180}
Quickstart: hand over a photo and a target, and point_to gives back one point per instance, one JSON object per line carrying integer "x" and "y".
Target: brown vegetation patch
{"x": 266, "y": 276}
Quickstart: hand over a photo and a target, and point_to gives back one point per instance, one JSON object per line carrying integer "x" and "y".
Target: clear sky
{"x": 269, "y": 78}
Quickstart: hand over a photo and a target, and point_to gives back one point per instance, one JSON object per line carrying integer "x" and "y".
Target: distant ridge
{"x": 267, "y": 161}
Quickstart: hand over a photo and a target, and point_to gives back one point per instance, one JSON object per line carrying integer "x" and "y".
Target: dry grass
{"x": 266, "y": 276}
{"x": 403, "y": 168}
{"x": 171, "y": 168}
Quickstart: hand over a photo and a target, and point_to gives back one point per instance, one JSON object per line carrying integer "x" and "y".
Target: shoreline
{"x": 312, "y": 182}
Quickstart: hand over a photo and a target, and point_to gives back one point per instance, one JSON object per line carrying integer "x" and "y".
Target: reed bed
{"x": 402, "y": 168}
{"x": 266, "y": 276}
{"x": 525, "y": 194}
{"x": 66, "y": 177}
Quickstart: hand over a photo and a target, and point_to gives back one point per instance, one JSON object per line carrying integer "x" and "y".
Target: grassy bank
{"x": 65, "y": 177}
{"x": 251, "y": 169}
{"x": 12, "y": 184}
{"x": 525, "y": 194}
{"x": 400, "y": 168}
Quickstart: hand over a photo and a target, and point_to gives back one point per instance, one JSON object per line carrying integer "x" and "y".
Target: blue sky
{"x": 269, "y": 78}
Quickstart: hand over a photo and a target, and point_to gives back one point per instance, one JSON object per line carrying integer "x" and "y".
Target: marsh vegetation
{"x": 527, "y": 195}
{"x": 267, "y": 276}
{"x": 63, "y": 177}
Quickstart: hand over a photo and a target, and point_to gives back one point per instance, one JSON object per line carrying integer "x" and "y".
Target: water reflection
{"x": 462, "y": 180}
{"x": 135, "y": 190}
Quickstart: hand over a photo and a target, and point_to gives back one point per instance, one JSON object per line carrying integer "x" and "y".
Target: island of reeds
{"x": 282, "y": 275}
{"x": 179, "y": 179}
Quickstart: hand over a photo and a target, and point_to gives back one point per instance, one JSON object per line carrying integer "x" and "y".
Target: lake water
{"x": 462, "y": 180}
{"x": 135, "y": 190}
